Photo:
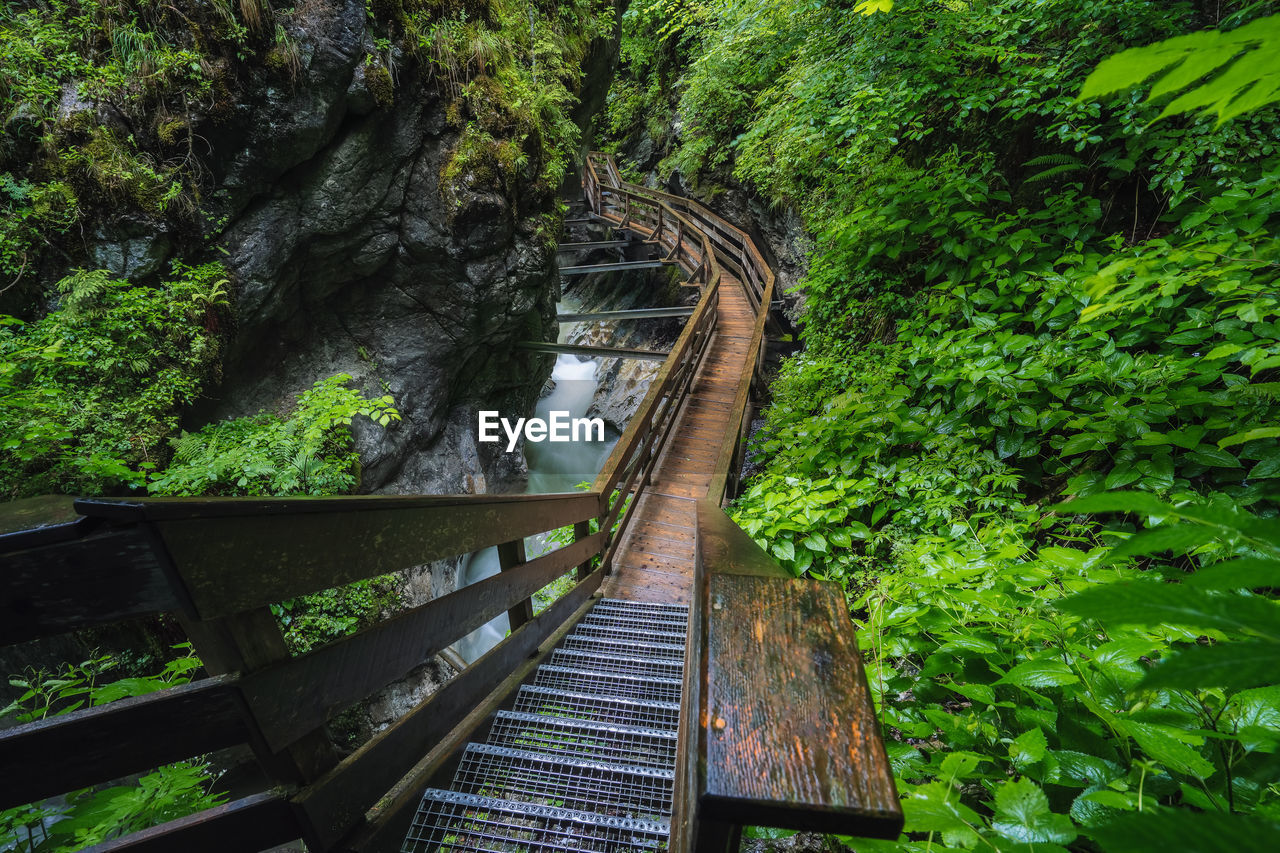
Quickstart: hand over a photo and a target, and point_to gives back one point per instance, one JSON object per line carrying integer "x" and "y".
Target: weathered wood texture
{"x": 223, "y": 548}
{"x": 93, "y": 745}
{"x": 299, "y": 694}
{"x": 791, "y": 734}
{"x": 105, "y": 576}
{"x": 247, "y": 825}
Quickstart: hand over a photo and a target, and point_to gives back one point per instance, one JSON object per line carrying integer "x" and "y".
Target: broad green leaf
{"x": 1022, "y": 814}
{"x": 1249, "y": 435}
{"x": 1028, "y": 748}
{"x": 1187, "y": 831}
{"x": 1169, "y": 537}
{"x": 1154, "y": 603}
{"x": 1139, "y": 502}
{"x": 1039, "y": 673}
{"x": 1231, "y": 665}
{"x": 1164, "y": 745}
{"x": 1242, "y": 573}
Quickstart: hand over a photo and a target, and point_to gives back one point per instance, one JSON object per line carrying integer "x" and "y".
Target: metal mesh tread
{"x": 627, "y": 745}
{"x": 634, "y": 623}
{"x": 616, "y": 790}
{"x": 630, "y": 635}
{"x": 608, "y": 684}
{"x": 453, "y": 822}
{"x": 624, "y": 648}
{"x": 602, "y": 709}
{"x": 618, "y": 665}
{"x": 627, "y": 604}
{"x": 586, "y": 760}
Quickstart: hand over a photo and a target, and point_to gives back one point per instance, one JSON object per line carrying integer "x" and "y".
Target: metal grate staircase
{"x": 585, "y": 760}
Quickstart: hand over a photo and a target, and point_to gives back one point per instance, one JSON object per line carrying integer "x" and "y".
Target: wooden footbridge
{"x": 685, "y": 686}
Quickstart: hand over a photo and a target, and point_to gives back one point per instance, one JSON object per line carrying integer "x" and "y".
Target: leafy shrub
{"x": 88, "y": 817}
{"x": 308, "y": 453}
{"x": 90, "y": 393}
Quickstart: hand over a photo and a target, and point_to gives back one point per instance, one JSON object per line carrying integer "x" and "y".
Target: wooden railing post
{"x": 581, "y": 531}
{"x": 510, "y": 555}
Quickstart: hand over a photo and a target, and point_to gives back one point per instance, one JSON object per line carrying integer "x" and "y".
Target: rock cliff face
{"x": 350, "y": 256}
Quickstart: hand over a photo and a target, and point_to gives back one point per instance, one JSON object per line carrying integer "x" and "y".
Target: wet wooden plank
{"x": 241, "y": 826}
{"x": 54, "y": 587}
{"x": 783, "y": 670}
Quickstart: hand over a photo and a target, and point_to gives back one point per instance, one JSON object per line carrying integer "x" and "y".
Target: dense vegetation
{"x": 1019, "y": 302}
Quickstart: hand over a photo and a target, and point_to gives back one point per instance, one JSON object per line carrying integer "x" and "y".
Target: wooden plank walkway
{"x": 654, "y": 560}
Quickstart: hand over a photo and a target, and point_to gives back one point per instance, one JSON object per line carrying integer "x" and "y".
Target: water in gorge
{"x": 553, "y": 467}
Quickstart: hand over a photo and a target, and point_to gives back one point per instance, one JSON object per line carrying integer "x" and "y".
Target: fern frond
{"x": 1051, "y": 160}
{"x": 1055, "y": 171}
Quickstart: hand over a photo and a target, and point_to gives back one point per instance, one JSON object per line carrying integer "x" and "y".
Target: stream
{"x": 553, "y": 467}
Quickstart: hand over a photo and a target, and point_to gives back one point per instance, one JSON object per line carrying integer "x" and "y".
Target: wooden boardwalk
{"x": 654, "y": 560}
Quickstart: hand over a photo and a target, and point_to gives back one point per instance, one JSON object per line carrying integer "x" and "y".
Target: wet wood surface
{"x": 654, "y": 560}
{"x": 791, "y": 737}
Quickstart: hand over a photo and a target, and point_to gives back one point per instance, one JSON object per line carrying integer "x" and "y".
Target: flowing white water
{"x": 553, "y": 467}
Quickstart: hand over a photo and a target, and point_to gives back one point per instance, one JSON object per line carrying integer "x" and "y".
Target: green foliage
{"x": 512, "y": 70}
{"x": 1018, "y": 296}
{"x": 90, "y": 393}
{"x": 1246, "y": 76}
{"x": 313, "y": 620}
{"x": 87, "y": 817}
{"x": 1037, "y": 694}
{"x": 308, "y": 453}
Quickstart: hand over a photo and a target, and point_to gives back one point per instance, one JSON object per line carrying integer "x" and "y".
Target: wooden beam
{"x": 242, "y": 826}
{"x": 298, "y": 695}
{"x": 619, "y": 266}
{"x": 235, "y": 554}
{"x": 94, "y": 745}
{"x": 106, "y": 576}
{"x": 630, "y": 314}
{"x": 590, "y": 351}
{"x": 590, "y": 245}
{"x": 810, "y": 691}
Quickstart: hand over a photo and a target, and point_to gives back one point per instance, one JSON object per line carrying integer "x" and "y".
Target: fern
{"x": 1059, "y": 164}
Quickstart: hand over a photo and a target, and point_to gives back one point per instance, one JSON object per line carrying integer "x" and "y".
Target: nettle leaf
{"x": 1022, "y": 814}
{"x": 935, "y": 807}
{"x": 1249, "y": 81}
{"x": 1153, "y": 603}
{"x": 1168, "y": 746}
{"x": 1232, "y": 665}
{"x": 1028, "y": 748}
{"x": 1143, "y": 503}
{"x": 1039, "y": 673}
{"x": 1187, "y": 832}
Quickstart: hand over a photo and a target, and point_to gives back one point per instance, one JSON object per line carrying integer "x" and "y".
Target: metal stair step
{"x": 645, "y": 667}
{"x": 602, "y": 709}
{"x": 642, "y": 606}
{"x": 629, "y": 635}
{"x": 591, "y": 741}
{"x": 517, "y": 775}
{"x": 608, "y": 608}
{"x": 608, "y": 683}
{"x": 633, "y": 623}
{"x": 451, "y": 821}
{"x": 624, "y": 648}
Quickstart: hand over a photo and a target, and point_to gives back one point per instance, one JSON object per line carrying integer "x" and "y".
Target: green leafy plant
{"x": 90, "y": 816}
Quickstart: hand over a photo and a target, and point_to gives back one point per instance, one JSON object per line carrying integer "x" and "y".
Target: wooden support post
{"x": 582, "y": 530}
{"x": 510, "y": 555}
{"x": 250, "y": 641}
